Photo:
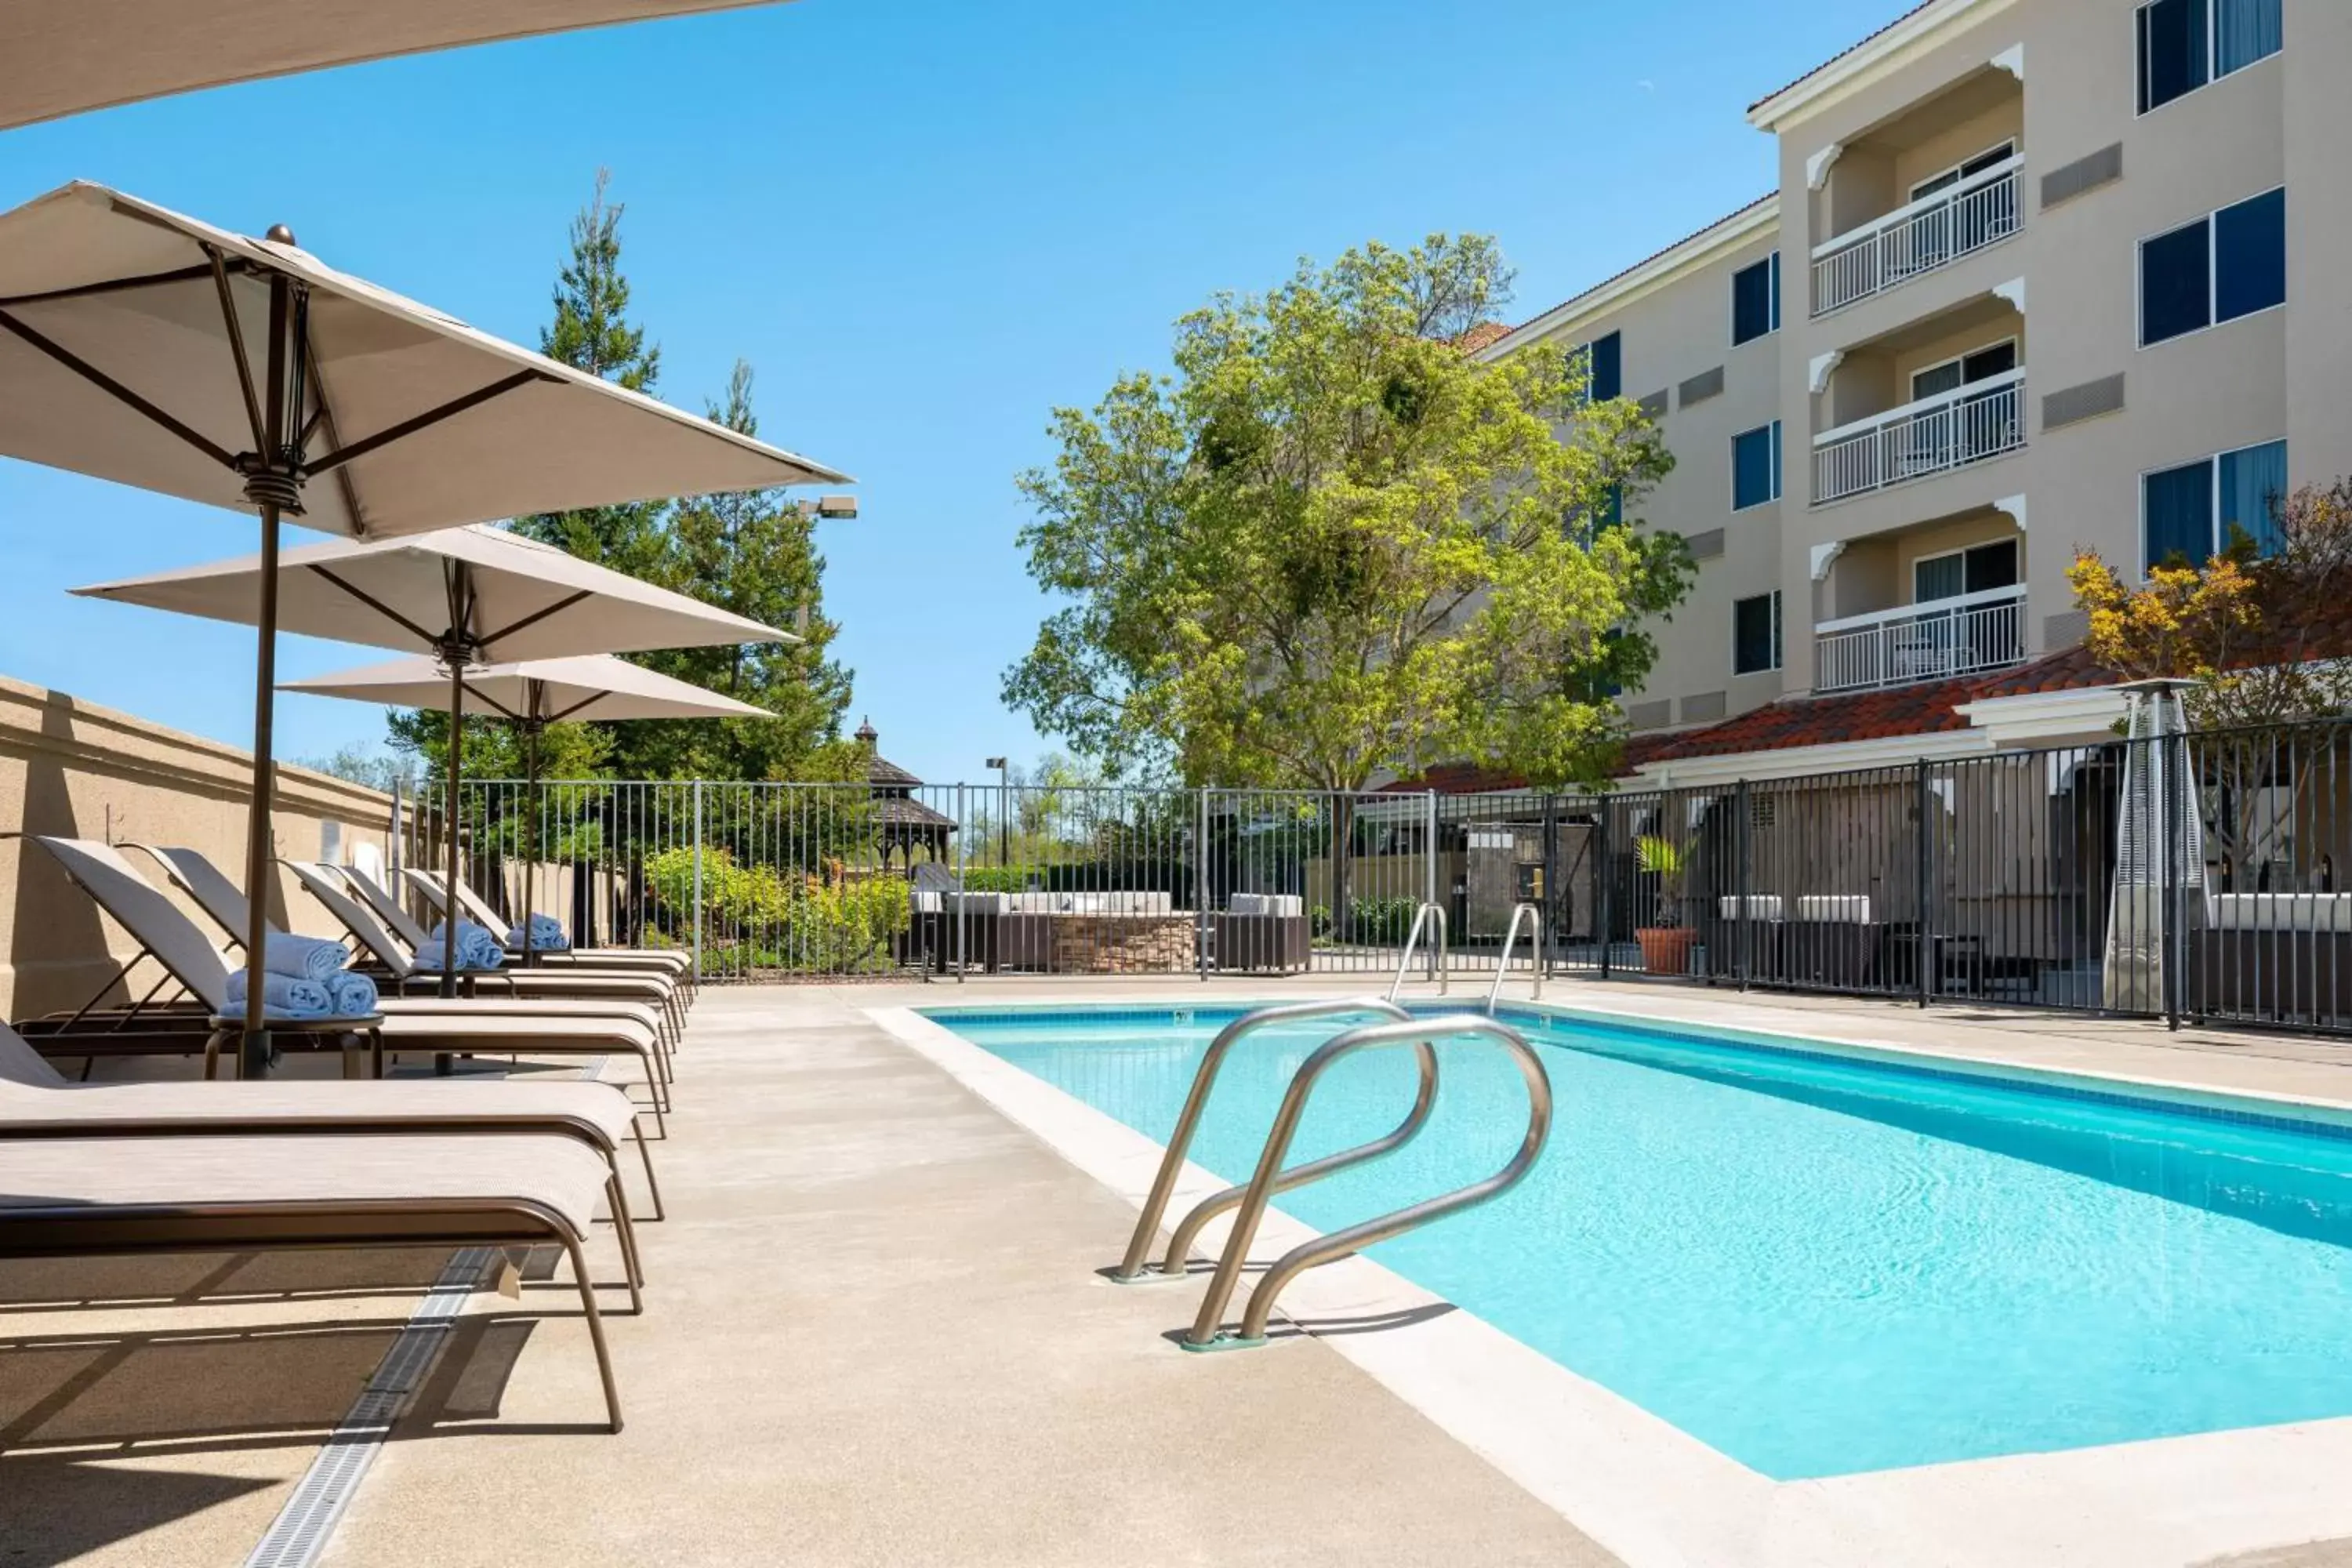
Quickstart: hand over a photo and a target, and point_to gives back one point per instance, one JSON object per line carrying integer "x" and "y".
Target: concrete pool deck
{"x": 875, "y": 1335}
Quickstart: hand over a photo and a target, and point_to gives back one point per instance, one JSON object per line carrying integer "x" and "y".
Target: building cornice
{"x": 1669, "y": 265}
{"x": 1872, "y": 60}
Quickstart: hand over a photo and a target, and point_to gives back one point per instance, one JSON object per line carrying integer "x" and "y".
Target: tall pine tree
{"x": 591, "y": 331}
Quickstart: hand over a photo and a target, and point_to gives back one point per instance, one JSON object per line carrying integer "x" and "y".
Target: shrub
{"x": 804, "y": 924}
{"x": 1378, "y": 923}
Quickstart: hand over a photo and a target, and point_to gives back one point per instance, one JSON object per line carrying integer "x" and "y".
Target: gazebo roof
{"x": 879, "y": 769}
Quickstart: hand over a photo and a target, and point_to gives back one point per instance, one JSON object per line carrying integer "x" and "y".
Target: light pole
{"x": 1003, "y": 801}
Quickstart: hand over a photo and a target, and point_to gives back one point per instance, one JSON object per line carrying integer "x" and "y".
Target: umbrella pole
{"x": 449, "y": 814}
{"x": 252, "y": 1056}
{"x": 530, "y": 812}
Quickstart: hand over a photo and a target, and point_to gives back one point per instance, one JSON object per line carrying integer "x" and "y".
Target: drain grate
{"x": 299, "y": 1532}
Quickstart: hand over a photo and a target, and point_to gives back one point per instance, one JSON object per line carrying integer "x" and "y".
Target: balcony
{"x": 1966, "y": 635}
{"x": 1951, "y": 430}
{"x": 1933, "y": 232}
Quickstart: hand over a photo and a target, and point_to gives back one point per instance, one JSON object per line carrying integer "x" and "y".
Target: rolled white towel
{"x": 351, "y": 995}
{"x": 477, "y": 948}
{"x": 304, "y": 957}
{"x": 283, "y": 996}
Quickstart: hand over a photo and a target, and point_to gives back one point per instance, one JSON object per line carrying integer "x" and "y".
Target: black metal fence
{"x": 2190, "y": 878}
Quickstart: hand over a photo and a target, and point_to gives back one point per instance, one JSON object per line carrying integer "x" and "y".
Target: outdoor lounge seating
{"x": 167, "y": 935}
{"x": 1739, "y": 948}
{"x": 1831, "y": 944}
{"x": 94, "y": 1197}
{"x": 2281, "y": 957}
{"x": 525, "y": 996}
{"x": 39, "y": 1102}
{"x": 1260, "y": 933}
{"x": 669, "y": 962}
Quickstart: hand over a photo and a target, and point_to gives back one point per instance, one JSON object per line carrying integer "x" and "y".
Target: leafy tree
{"x": 1335, "y": 544}
{"x": 365, "y": 765}
{"x": 593, "y": 331}
{"x": 751, "y": 553}
{"x": 2264, "y": 638}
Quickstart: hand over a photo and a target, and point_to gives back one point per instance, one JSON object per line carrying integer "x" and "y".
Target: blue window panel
{"x": 1755, "y": 466}
{"x": 2253, "y": 484}
{"x": 2176, "y": 282}
{"x": 2244, "y": 31}
{"x": 1755, "y": 299}
{"x": 1608, "y": 368}
{"x": 2176, "y": 514}
{"x": 2250, "y": 257}
{"x": 1756, "y": 634}
{"x": 2172, "y": 51}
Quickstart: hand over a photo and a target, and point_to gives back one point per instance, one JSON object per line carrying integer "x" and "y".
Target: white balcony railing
{"x": 1932, "y": 232}
{"x": 1950, "y": 430}
{"x": 1962, "y": 636}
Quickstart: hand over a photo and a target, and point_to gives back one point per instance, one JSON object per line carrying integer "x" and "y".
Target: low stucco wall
{"x": 69, "y": 768}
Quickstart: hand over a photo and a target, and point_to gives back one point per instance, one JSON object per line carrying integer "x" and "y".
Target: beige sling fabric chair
{"x": 662, "y": 960}
{"x": 37, "y": 1102}
{"x": 176, "y": 942}
{"x": 224, "y": 902}
{"x": 85, "y": 1197}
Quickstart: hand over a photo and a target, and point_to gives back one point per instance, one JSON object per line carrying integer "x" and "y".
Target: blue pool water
{"x": 1815, "y": 1266}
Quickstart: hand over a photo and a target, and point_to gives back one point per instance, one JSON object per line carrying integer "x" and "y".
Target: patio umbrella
{"x": 533, "y": 694}
{"x": 468, "y": 597}
{"x": 63, "y": 56}
{"x": 142, "y": 346}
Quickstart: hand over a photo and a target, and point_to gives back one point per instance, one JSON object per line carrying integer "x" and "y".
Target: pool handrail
{"x": 1535, "y": 953}
{"x": 1437, "y": 967}
{"x": 1163, "y": 1185}
{"x": 1205, "y": 1333}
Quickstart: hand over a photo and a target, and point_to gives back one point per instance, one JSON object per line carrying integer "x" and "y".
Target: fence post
{"x": 961, "y": 928}
{"x": 1739, "y": 881}
{"x": 1922, "y": 960}
{"x": 1201, "y": 890}
{"x": 1429, "y": 867}
{"x": 1604, "y": 915}
{"x": 1547, "y": 897}
{"x": 697, "y": 881}
{"x": 2167, "y": 919}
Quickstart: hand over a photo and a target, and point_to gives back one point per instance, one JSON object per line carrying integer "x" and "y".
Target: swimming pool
{"x": 1815, "y": 1265}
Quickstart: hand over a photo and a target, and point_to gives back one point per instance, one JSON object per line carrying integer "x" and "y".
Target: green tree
{"x": 593, "y": 331}
{"x": 752, "y": 553}
{"x": 1336, "y": 545}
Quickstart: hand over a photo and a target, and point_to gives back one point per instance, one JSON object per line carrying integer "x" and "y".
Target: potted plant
{"x": 1666, "y": 946}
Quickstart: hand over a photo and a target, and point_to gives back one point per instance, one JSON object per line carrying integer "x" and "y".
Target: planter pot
{"x": 1665, "y": 950}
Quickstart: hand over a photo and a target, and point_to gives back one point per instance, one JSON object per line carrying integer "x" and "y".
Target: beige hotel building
{"x": 2039, "y": 275}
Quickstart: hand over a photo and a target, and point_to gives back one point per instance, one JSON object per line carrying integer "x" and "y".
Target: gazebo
{"x": 901, "y": 822}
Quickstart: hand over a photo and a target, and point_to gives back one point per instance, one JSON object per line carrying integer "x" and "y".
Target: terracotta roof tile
{"x": 1479, "y": 336}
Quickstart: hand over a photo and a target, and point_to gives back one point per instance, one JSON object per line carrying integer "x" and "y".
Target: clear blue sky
{"x": 925, "y": 224}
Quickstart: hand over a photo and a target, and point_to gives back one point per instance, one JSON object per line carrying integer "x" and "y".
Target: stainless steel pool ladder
{"x": 1535, "y": 953}
{"x": 1271, "y": 1178}
{"x": 1433, "y": 918}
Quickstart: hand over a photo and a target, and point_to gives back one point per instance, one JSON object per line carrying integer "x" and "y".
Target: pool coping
{"x": 1653, "y": 1494}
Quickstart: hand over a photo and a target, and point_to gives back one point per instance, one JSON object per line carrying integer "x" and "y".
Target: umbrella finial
{"x": 279, "y": 235}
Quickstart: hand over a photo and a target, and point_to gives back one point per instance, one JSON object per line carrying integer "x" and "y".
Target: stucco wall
{"x": 68, "y": 767}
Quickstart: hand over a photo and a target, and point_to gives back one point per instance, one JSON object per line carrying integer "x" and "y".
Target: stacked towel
{"x": 547, "y": 935}
{"x": 304, "y": 957}
{"x": 284, "y": 996}
{"x": 477, "y": 948}
{"x": 355, "y": 994}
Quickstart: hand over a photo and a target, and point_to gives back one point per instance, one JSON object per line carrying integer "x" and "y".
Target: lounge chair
{"x": 83, "y": 1197}
{"x": 37, "y": 1102}
{"x": 174, "y": 941}
{"x": 662, "y": 960}
{"x": 226, "y": 903}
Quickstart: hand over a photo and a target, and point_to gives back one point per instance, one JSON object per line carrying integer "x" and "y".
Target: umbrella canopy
{"x": 142, "y": 346}
{"x": 534, "y": 693}
{"x": 482, "y": 595}
{"x": 62, "y": 56}
{"x": 539, "y": 690}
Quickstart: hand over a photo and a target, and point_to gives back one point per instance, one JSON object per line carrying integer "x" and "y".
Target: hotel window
{"x": 2184, "y": 44}
{"x": 1756, "y": 634}
{"x": 2191, "y": 512}
{"x": 1979, "y": 569}
{"x": 2229, "y": 264}
{"x": 1755, "y": 466}
{"x": 1605, "y": 367}
{"x": 1756, "y": 300}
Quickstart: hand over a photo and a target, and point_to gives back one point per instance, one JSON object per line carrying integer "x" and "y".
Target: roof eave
{"x": 1889, "y": 48}
{"x": 1676, "y": 261}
